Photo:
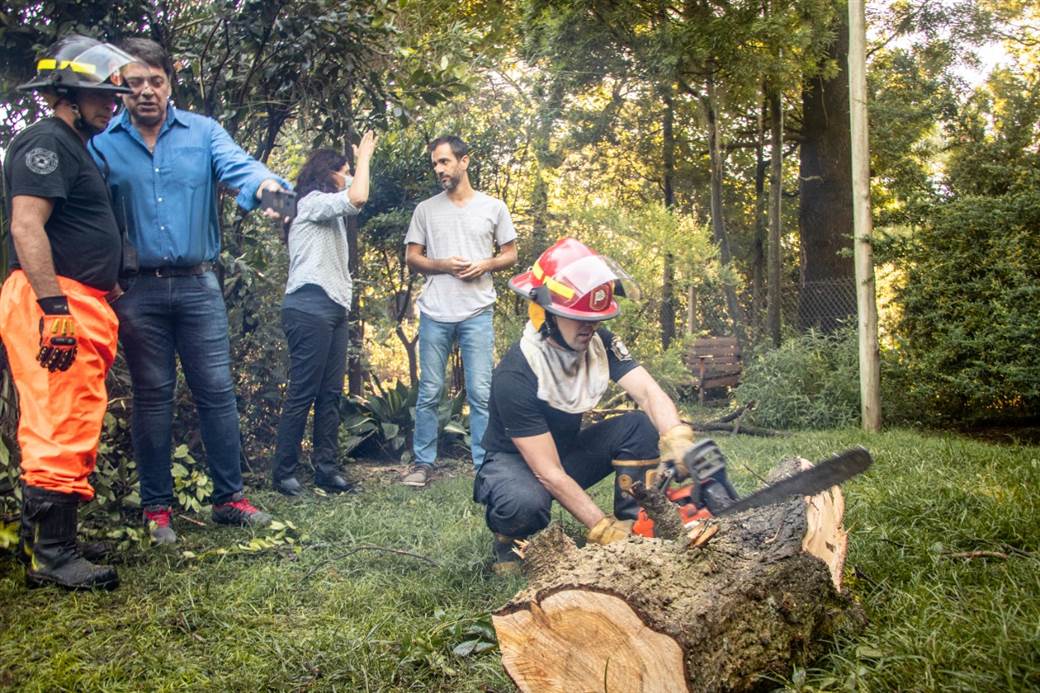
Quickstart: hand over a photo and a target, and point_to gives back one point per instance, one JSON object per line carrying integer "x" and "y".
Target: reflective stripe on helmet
{"x": 52, "y": 64}
{"x": 553, "y": 285}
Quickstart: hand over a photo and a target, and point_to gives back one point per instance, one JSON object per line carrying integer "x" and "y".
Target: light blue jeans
{"x": 476, "y": 342}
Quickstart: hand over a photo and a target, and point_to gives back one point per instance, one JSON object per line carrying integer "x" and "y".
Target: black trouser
{"x": 317, "y": 330}
{"x": 516, "y": 503}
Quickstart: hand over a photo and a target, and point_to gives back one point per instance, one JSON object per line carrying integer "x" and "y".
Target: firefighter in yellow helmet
{"x": 57, "y": 326}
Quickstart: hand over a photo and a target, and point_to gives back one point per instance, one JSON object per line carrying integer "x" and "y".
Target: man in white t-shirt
{"x": 452, "y": 241}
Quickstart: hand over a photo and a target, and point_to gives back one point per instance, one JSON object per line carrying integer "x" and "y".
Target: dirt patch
{"x": 383, "y": 471}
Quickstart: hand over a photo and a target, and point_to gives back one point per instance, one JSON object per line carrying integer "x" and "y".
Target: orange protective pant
{"x": 61, "y": 412}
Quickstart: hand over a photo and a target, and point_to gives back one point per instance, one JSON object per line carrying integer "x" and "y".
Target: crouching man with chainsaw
{"x": 560, "y": 368}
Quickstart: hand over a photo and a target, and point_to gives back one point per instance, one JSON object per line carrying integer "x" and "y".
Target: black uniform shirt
{"x": 48, "y": 160}
{"x": 514, "y": 410}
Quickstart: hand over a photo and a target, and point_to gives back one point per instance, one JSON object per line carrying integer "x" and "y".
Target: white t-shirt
{"x": 470, "y": 232}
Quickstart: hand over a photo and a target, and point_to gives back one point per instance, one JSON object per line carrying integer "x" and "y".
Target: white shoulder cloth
{"x": 567, "y": 380}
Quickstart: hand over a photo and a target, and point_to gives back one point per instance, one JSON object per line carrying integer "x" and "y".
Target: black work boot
{"x": 626, "y": 473}
{"x": 91, "y": 550}
{"x": 507, "y": 561}
{"x": 327, "y": 476}
{"x": 288, "y": 486}
{"x": 49, "y": 533}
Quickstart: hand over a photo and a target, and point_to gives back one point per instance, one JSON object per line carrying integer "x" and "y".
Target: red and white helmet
{"x": 573, "y": 281}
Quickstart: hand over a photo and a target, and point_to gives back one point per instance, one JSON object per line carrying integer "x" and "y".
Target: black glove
{"x": 57, "y": 334}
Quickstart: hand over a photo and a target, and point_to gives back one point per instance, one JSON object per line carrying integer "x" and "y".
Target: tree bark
{"x": 827, "y": 297}
{"x": 776, "y": 181}
{"x": 668, "y": 159}
{"x": 743, "y": 598}
{"x": 546, "y": 162}
{"x": 758, "y": 257}
{"x": 718, "y": 222}
{"x": 355, "y": 367}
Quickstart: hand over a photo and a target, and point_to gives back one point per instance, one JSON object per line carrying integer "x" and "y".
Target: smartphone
{"x": 281, "y": 201}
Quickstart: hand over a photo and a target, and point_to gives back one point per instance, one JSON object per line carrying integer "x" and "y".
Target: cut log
{"x": 744, "y": 598}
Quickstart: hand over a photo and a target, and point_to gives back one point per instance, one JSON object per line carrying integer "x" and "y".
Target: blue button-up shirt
{"x": 171, "y": 193}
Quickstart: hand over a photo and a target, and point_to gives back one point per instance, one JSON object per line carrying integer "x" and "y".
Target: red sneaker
{"x": 157, "y": 518}
{"x": 239, "y": 511}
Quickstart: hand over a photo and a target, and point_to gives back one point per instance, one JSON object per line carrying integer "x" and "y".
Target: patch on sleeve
{"x": 41, "y": 161}
{"x": 619, "y": 349}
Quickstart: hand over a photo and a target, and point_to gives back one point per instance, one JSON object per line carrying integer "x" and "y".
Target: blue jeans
{"x": 158, "y": 318}
{"x": 477, "y": 343}
{"x": 318, "y": 333}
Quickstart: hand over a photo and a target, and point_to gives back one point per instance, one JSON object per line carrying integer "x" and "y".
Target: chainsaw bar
{"x": 830, "y": 472}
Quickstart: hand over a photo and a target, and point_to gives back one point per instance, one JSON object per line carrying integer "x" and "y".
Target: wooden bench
{"x": 715, "y": 362}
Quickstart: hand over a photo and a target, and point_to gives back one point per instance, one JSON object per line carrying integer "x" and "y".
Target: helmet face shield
{"x": 586, "y": 274}
{"x": 101, "y": 62}
{"x": 78, "y": 62}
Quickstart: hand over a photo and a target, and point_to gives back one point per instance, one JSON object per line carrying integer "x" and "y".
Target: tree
{"x": 971, "y": 298}
{"x": 826, "y": 298}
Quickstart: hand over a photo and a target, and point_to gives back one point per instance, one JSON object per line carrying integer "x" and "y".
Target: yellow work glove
{"x": 674, "y": 444}
{"x": 609, "y": 529}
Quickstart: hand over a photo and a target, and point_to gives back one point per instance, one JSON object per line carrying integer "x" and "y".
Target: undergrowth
{"x": 387, "y": 590}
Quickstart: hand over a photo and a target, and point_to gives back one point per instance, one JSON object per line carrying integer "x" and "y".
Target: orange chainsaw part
{"x": 688, "y": 511}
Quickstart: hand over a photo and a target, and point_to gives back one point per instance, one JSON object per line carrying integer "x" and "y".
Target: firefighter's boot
{"x": 49, "y": 533}
{"x": 92, "y": 551}
{"x": 626, "y": 473}
{"x": 507, "y": 561}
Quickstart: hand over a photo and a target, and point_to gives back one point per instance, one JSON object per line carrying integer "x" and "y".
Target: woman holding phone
{"x": 314, "y": 312}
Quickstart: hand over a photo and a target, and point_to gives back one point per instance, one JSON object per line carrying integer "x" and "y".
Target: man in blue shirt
{"x": 163, "y": 165}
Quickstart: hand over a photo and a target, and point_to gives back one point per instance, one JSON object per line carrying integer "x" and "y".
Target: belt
{"x": 175, "y": 271}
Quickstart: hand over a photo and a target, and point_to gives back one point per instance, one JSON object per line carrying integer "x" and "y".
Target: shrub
{"x": 971, "y": 310}
{"x": 811, "y": 381}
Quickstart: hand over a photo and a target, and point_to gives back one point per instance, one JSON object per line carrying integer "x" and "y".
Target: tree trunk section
{"x": 776, "y": 181}
{"x": 718, "y": 222}
{"x": 668, "y": 159}
{"x": 546, "y": 162}
{"x": 355, "y": 368}
{"x": 827, "y": 297}
{"x": 758, "y": 257}
{"x": 745, "y": 597}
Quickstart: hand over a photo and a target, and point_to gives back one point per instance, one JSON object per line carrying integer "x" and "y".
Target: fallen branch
{"x": 192, "y": 520}
{"x": 730, "y": 423}
{"x": 367, "y": 547}
{"x": 977, "y": 554}
{"x": 735, "y": 414}
{"x": 736, "y": 428}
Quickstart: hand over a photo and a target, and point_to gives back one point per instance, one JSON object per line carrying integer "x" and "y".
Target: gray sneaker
{"x": 158, "y": 520}
{"x": 239, "y": 511}
{"x": 419, "y": 475}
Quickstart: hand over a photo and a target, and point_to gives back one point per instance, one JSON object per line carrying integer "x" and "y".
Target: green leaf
{"x": 868, "y": 652}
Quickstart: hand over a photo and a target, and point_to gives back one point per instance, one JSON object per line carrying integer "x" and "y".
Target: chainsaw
{"x": 710, "y": 493}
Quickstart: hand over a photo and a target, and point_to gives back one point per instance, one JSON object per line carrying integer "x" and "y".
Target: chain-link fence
{"x": 823, "y": 305}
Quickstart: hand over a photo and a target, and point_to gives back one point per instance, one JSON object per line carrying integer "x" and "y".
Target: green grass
{"x": 322, "y": 618}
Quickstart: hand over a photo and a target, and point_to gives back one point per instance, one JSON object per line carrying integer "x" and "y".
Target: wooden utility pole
{"x": 862, "y": 224}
